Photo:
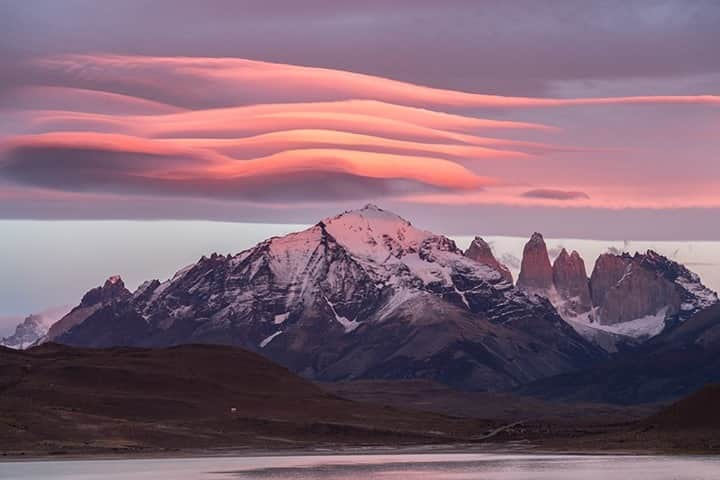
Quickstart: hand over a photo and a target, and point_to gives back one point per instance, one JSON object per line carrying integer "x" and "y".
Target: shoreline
{"x": 511, "y": 448}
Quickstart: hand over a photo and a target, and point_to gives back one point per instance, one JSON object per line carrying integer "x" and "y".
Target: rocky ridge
{"x": 626, "y": 300}
{"x": 112, "y": 291}
{"x": 480, "y": 251}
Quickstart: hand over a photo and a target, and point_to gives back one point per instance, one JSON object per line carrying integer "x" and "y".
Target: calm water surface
{"x": 372, "y": 467}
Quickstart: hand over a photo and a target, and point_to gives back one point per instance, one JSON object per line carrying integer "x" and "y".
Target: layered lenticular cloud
{"x": 228, "y": 128}
{"x": 218, "y": 81}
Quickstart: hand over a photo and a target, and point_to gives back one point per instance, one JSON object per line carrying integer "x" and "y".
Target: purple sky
{"x": 106, "y": 116}
{"x": 596, "y": 120}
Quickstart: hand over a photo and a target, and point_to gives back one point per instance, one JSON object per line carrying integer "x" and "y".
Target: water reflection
{"x": 376, "y": 467}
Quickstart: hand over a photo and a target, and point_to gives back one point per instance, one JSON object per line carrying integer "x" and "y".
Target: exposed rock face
{"x": 112, "y": 291}
{"x": 609, "y": 269}
{"x": 363, "y": 294}
{"x": 639, "y": 293}
{"x": 628, "y": 299}
{"x": 536, "y": 272}
{"x": 564, "y": 283}
{"x": 571, "y": 281}
{"x": 635, "y": 298}
{"x": 626, "y": 288}
{"x": 481, "y": 252}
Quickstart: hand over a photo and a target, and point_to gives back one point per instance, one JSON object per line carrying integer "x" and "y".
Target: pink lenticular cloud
{"x": 235, "y": 80}
{"x": 83, "y": 100}
{"x": 241, "y": 122}
{"x": 231, "y": 128}
{"x": 309, "y": 138}
{"x": 97, "y": 160}
{"x": 427, "y": 170}
{"x": 403, "y": 113}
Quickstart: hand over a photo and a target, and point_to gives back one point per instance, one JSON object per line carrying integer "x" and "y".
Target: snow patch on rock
{"x": 269, "y": 339}
{"x": 280, "y": 318}
{"x": 348, "y": 325}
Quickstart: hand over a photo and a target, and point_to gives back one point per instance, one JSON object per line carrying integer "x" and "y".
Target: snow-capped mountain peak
{"x": 34, "y": 327}
{"x": 356, "y": 294}
{"x": 374, "y": 234}
{"x": 392, "y": 250}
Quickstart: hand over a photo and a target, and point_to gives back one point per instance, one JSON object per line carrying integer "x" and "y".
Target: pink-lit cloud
{"x": 555, "y": 194}
{"x": 230, "y": 128}
{"x": 233, "y": 124}
{"x": 235, "y": 81}
{"x": 82, "y": 161}
{"x": 318, "y": 138}
{"x": 618, "y": 198}
{"x": 83, "y": 100}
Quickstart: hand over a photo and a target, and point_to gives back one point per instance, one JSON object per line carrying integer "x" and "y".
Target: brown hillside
{"x": 62, "y": 399}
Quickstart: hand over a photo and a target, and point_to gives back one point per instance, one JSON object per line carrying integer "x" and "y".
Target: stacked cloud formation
{"x": 118, "y": 127}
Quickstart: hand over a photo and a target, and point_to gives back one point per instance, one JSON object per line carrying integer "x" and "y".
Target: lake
{"x": 465, "y": 466}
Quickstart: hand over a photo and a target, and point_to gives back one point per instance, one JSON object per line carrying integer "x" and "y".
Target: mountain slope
{"x": 668, "y": 366}
{"x": 112, "y": 291}
{"x": 363, "y": 294}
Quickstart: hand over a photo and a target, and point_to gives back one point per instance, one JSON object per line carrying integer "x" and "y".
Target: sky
{"x": 579, "y": 119}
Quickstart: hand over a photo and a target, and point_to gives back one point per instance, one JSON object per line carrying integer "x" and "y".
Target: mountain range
{"x": 626, "y": 300}
{"x": 367, "y": 295}
{"x": 33, "y": 328}
{"x": 668, "y": 366}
